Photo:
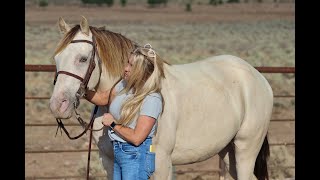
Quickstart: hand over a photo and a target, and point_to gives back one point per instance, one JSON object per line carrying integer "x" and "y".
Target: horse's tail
{"x": 261, "y": 168}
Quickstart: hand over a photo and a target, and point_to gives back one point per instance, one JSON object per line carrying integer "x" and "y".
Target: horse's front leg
{"x": 107, "y": 165}
{"x": 104, "y": 143}
{"x": 163, "y": 170}
{"x": 106, "y": 155}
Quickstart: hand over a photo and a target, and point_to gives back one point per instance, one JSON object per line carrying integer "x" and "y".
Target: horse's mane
{"x": 113, "y": 48}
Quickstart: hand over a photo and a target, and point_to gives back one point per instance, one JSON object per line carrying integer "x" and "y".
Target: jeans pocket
{"x": 150, "y": 163}
{"x": 129, "y": 151}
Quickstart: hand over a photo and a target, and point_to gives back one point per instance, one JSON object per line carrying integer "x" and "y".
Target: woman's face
{"x": 127, "y": 68}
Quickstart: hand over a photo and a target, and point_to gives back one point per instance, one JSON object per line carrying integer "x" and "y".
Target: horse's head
{"x": 78, "y": 67}
{"x": 86, "y": 58}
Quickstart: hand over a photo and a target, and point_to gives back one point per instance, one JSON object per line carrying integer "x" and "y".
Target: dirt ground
{"x": 73, "y": 164}
{"x": 170, "y": 14}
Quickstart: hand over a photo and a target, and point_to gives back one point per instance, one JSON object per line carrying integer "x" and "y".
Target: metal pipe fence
{"x": 52, "y": 68}
{"x": 220, "y": 170}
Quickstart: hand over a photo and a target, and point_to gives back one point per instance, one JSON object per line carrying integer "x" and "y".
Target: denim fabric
{"x": 133, "y": 162}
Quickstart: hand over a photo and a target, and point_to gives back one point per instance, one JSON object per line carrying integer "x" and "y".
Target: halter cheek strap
{"x": 90, "y": 69}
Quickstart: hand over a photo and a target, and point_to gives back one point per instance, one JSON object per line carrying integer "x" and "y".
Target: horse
{"x": 220, "y": 105}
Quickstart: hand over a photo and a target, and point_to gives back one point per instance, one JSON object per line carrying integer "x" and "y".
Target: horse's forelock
{"x": 65, "y": 41}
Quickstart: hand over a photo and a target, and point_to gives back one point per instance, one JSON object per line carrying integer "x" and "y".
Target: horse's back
{"x": 228, "y": 64}
{"x": 228, "y": 70}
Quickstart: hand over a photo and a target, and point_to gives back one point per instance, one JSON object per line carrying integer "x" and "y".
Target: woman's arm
{"x": 99, "y": 98}
{"x": 135, "y": 136}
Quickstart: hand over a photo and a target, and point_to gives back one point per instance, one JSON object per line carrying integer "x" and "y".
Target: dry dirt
{"x": 73, "y": 164}
{"x": 171, "y": 14}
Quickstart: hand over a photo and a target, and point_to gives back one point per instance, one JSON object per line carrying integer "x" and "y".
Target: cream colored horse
{"x": 219, "y": 105}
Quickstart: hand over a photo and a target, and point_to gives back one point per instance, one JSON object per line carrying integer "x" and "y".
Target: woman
{"x": 136, "y": 105}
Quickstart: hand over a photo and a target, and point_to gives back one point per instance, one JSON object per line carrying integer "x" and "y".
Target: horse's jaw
{"x": 106, "y": 80}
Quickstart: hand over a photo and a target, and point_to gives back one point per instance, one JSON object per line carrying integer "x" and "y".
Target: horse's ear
{"x": 64, "y": 27}
{"x": 84, "y": 25}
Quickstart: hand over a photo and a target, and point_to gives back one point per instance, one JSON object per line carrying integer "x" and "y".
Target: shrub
{"x": 98, "y": 2}
{"x": 43, "y": 3}
{"x": 86, "y": 1}
{"x": 165, "y": 2}
{"x": 213, "y": 2}
{"x": 233, "y": 1}
{"x": 108, "y": 2}
{"x": 188, "y": 7}
{"x": 123, "y": 2}
{"x": 153, "y": 3}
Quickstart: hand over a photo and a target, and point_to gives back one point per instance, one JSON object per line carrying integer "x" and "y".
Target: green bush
{"x": 98, "y": 2}
{"x": 123, "y": 2}
{"x": 108, "y": 2}
{"x": 233, "y": 1}
{"x": 43, "y": 3}
{"x": 213, "y": 2}
{"x": 153, "y": 3}
{"x": 188, "y": 7}
{"x": 165, "y": 2}
{"x": 86, "y": 1}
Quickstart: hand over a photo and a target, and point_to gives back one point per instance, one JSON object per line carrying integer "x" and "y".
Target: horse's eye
{"x": 83, "y": 59}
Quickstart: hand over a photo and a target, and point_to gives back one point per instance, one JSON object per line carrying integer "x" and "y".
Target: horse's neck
{"x": 177, "y": 78}
{"x": 172, "y": 78}
{"x": 173, "y": 73}
{"x": 106, "y": 81}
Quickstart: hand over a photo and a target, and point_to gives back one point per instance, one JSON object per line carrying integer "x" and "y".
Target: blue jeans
{"x": 133, "y": 162}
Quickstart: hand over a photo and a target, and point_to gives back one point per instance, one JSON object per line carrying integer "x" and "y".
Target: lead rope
{"x": 90, "y": 139}
{"x": 91, "y": 128}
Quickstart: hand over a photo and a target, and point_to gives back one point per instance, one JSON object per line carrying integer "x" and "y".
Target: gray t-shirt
{"x": 151, "y": 106}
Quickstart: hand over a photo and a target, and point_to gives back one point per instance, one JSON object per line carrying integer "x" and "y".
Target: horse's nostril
{"x": 64, "y": 105}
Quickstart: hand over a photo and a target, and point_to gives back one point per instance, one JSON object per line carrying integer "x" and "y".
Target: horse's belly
{"x": 204, "y": 140}
{"x": 196, "y": 150}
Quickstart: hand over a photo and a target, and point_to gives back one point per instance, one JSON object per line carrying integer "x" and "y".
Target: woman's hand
{"x": 99, "y": 98}
{"x": 107, "y": 119}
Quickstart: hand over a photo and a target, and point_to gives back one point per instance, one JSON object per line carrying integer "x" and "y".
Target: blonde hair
{"x": 145, "y": 78}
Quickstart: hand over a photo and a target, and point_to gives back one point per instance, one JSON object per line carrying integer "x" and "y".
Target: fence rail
{"x": 78, "y": 125}
{"x": 47, "y": 97}
{"x": 52, "y": 68}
